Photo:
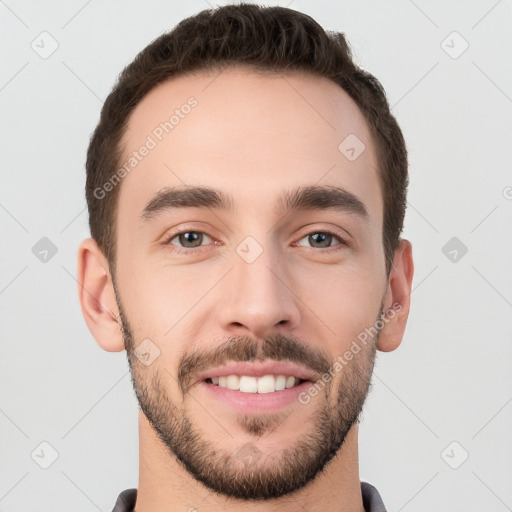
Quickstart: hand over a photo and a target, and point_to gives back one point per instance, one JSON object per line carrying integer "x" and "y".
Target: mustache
{"x": 245, "y": 349}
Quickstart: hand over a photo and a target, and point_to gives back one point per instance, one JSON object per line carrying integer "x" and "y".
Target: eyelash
{"x": 187, "y": 250}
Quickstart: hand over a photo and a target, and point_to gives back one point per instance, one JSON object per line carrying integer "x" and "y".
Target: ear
{"x": 97, "y": 297}
{"x": 397, "y": 299}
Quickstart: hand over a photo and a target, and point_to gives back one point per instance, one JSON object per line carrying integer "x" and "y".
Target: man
{"x": 246, "y": 187}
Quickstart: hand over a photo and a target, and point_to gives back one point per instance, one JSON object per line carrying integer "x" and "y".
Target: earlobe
{"x": 397, "y": 300}
{"x": 97, "y": 297}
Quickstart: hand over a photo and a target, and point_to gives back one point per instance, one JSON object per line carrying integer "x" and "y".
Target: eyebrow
{"x": 189, "y": 197}
{"x": 325, "y": 197}
{"x": 312, "y": 197}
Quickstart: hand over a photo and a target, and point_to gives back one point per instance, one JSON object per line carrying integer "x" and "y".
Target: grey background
{"x": 450, "y": 381}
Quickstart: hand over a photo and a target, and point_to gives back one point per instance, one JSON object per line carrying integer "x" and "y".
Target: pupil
{"x": 321, "y": 239}
{"x": 191, "y": 239}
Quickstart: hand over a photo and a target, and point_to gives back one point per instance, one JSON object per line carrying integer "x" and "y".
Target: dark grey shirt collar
{"x": 372, "y": 501}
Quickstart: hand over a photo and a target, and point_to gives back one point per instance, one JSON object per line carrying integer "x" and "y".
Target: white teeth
{"x": 249, "y": 384}
{"x": 290, "y": 382}
{"x": 280, "y": 382}
{"x": 233, "y": 382}
{"x": 266, "y": 384}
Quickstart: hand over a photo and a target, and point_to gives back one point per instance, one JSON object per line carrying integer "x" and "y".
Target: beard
{"x": 246, "y": 473}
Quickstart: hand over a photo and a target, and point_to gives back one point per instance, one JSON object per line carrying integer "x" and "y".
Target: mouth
{"x": 258, "y": 376}
{"x": 257, "y": 387}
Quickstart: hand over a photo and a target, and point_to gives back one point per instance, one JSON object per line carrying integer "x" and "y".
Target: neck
{"x": 165, "y": 485}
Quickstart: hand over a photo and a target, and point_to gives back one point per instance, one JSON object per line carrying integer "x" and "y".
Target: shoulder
{"x": 125, "y": 501}
{"x": 372, "y": 500}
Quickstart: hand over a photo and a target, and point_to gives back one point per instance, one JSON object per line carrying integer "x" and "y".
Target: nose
{"x": 258, "y": 297}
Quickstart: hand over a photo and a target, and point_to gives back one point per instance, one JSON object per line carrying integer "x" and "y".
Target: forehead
{"x": 248, "y": 134}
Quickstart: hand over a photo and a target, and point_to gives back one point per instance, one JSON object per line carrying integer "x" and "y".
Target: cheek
{"x": 346, "y": 301}
{"x": 170, "y": 306}
{"x": 159, "y": 294}
{"x": 158, "y": 310}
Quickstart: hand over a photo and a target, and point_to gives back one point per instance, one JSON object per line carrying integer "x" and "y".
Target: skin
{"x": 253, "y": 137}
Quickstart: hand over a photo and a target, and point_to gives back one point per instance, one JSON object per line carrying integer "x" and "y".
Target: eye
{"x": 189, "y": 239}
{"x": 322, "y": 240}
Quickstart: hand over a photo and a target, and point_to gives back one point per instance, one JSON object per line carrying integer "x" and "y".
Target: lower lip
{"x": 256, "y": 402}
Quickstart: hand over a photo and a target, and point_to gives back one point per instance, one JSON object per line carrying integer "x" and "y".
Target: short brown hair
{"x": 264, "y": 38}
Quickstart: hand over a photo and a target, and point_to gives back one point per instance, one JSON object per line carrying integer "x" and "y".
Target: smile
{"x": 250, "y": 384}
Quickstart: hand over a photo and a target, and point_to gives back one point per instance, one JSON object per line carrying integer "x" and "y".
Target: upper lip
{"x": 259, "y": 369}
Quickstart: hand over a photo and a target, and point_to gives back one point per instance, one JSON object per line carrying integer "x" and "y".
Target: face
{"x": 249, "y": 256}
